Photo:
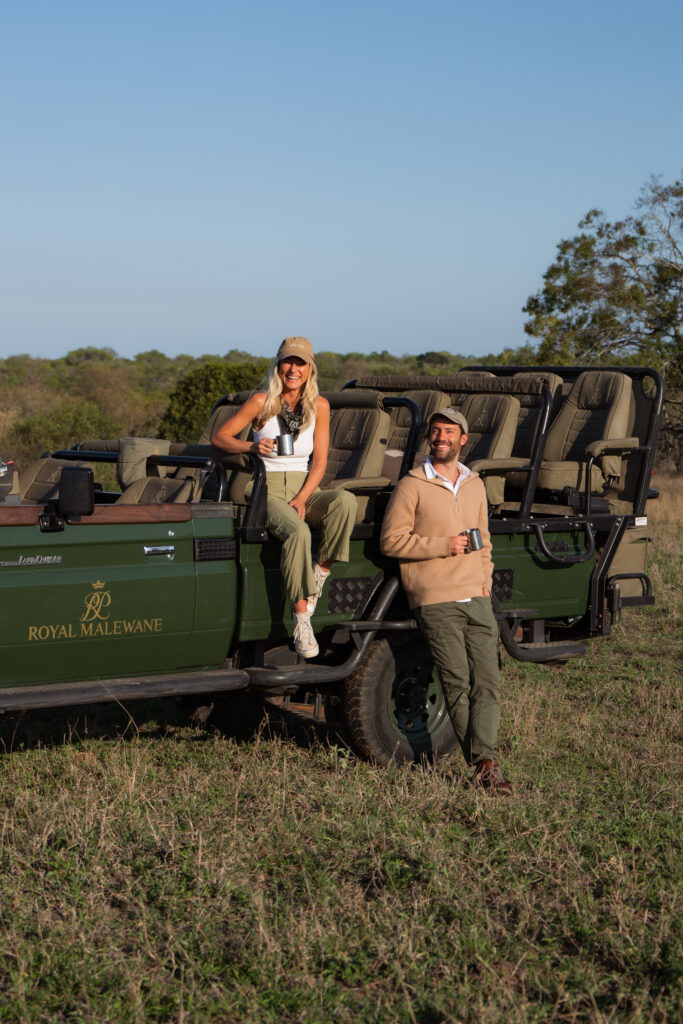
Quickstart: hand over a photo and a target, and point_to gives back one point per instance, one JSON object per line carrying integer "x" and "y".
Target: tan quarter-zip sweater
{"x": 421, "y": 517}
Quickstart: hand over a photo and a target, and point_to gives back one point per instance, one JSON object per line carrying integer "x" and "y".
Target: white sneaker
{"x": 305, "y": 642}
{"x": 320, "y": 576}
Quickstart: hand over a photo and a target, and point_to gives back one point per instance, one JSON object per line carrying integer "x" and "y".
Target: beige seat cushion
{"x": 531, "y": 406}
{"x": 100, "y": 445}
{"x": 492, "y": 422}
{"x": 599, "y": 407}
{"x": 223, "y": 412}
{"x": 359, "y": 432}
{"x": 133, "y": 454}
{"x": 152, "y": 490}
{"x": 428, "y": 402}
{"x": 40, "y": 481}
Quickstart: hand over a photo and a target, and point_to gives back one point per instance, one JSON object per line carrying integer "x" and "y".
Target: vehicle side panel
{"x": 216, "y": 596}
{"x": 87, "y": 602}
{"x": 525, "y": 578}
{"x": 264, "y": 610}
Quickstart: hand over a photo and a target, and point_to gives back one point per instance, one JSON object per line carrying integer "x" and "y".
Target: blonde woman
{"x": 291, "y": 405}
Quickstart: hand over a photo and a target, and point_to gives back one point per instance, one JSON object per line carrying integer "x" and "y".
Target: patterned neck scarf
{"x": 291, "y": 421}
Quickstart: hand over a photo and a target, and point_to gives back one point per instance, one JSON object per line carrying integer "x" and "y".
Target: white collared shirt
{"x": 432, "y": 474}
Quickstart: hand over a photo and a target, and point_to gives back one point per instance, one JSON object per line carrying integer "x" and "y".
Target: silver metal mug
{"x": 284, "y": 444}
{"x": 474, "y": 542}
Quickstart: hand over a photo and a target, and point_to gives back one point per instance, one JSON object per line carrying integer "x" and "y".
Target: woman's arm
{"x": 321, "y": 445}
{"x": 225, "y": 437}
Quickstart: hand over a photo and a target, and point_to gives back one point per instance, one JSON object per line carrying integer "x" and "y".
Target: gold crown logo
{"x": 98, "y": 585}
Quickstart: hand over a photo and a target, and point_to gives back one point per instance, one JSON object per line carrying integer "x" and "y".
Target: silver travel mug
{"x": 473, "y": 541}
{"x": 285, "y": 444}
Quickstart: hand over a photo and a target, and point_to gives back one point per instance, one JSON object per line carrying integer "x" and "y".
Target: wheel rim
{"x": 416, "y": 704}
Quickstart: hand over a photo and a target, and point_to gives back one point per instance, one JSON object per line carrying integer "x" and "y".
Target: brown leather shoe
{"x": 488, "y": 775}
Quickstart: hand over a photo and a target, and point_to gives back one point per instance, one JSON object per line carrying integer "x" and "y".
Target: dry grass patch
{"x": 154, "y": 872}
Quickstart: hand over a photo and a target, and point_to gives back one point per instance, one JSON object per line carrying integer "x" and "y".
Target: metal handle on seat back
{"x": 416, "y": 422}
{"x": 568, "y": 559}
{"x": 254, "y": 522}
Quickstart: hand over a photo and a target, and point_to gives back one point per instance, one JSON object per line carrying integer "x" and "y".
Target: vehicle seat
{"x": 428, "y": 402}
{"x": 463, "y": 384}
{"x": 492, "y": 422}
{"x": 531, "y": 406}
{"x": 237, "y": 480}
{"x": 222, "y": 411}
{"x": 133, "y": 454}
{"x": 359, "y": 433}
{"x": 598, "y": 409}
{"x": 40, "y": 481}
{"x": 153, "y": 490}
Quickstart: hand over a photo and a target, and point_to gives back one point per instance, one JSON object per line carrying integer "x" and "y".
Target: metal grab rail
{"x": 416, "y": 424}
{"x": 206, "y": 463}
{"x": 568, "y": 559}
{"x": 254, "y": 522}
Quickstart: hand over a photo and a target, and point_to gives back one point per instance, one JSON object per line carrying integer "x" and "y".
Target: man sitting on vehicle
{"x": 448, "y": 586}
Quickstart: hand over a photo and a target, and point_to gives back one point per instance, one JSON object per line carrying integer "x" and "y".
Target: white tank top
{"x": 303, "y": 446}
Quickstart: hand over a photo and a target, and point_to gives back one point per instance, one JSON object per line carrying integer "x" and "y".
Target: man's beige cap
{"x": 452, "y": 414}
{"x": 300, "y": 347}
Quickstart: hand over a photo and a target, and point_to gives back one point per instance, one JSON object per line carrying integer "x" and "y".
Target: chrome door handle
{"x": 159, "y": 549}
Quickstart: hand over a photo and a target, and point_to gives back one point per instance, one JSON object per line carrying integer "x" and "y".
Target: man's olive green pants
{"x": 332, "y": 512}
{"x": 463, "y": 640}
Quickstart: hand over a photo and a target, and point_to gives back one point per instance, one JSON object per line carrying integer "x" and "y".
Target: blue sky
{"x": 198, "y": 175}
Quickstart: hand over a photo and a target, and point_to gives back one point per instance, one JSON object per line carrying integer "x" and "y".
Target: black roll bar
{"x": 416, "y": 424}
{"x": 254, "y": 522}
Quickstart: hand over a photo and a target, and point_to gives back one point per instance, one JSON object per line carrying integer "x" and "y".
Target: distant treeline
{"x": 95, "y": 393}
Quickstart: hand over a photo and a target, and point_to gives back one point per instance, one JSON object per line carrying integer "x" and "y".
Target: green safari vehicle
{"x": 168, "y": 584}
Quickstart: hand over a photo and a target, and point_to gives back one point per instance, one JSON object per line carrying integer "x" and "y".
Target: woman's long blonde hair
{"x": 273, "y": 388}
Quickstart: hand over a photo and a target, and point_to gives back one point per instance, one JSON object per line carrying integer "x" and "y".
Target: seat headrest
{"x": 155, "y": 491}
{"x": 529, "y": 378}
{"x": 41, "y": 479}
{"x": 598, "y": 389}
{"x": 353, "y": 398}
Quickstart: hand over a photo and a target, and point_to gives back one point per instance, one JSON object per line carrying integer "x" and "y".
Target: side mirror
{"x": 76, "y": 492}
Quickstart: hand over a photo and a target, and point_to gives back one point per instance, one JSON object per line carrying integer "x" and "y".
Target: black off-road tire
{"x": 394, "y": 707}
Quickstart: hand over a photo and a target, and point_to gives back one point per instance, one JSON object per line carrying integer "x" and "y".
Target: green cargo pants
{"x": 463, "y": 640}
{"x": 332, "y": 512}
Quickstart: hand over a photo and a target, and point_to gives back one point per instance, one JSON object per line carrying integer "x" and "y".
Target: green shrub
{"x": 196, "y": 393}
{"x": 60, "y": 427}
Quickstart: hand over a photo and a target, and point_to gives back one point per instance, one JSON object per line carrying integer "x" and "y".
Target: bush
{"x": 196, "y": 393}
{"x": 60, "y": 427}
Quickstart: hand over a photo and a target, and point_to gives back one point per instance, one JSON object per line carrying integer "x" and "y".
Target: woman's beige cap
{"x": 296, "y": 346}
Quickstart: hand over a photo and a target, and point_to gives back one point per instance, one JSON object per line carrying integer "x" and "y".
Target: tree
{"x": 198, "y": 391}
{"x": 615, "y": 293}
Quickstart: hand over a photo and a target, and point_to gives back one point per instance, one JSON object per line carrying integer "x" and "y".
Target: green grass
{"x": 152, "y": 871}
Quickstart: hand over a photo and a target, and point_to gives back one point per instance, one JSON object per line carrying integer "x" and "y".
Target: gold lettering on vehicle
{"x": 96, "y": 622}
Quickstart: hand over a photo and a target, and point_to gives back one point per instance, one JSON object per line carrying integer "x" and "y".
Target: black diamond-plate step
{"x": 348, "y": 595}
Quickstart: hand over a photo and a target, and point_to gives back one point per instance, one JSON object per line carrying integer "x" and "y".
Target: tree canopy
{"x": 615, "y": 293}
{"x": 195, "y": 394}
